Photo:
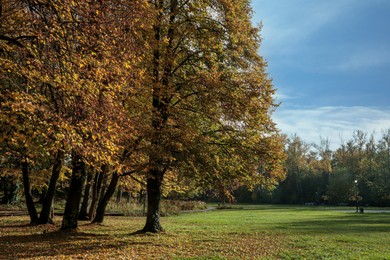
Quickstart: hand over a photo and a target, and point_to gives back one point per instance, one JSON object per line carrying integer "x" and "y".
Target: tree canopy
{"x": 163, "y": 91}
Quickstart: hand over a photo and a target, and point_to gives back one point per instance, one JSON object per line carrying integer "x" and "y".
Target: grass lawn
{"x": 248, "y": 232}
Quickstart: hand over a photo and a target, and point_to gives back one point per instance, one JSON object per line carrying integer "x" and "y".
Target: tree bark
{"x": 105, "y": 199}
{"x": 47, "y": 206}
{"x": 161, "y": 97}
{"x": 96, "y": 190}
{"x": 104, "y": 186}
{"x": 10, "y": 189}
{"x": 27, "y": 194}
{"x": 42, "y": 196}
{"x": 83, "y": 215}
{"x": 154, "y": 191}
{"x": 69, "y": 221}
{"x": 119, "y": 196}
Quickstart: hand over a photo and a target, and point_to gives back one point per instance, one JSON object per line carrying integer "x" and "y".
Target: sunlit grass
{"x": 247, "y": 232}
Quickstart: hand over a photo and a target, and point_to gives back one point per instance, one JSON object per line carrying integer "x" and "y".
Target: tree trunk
{"x": 154, "y": 191}
{"x": 160, "y": 102}
{"x": 10, "y": 189}
{"x": 27, "y": 193}
{"x": 128, "y": 197}
{"x": 119, "y": 196}
{"x": 42, "y": 196}
{"x": 46, "y": 215}
{"x": 83, "y": 215}
{"x": 69, "y": 221}
{"x": 104, "y": 200}
{"x": 96, "y": 190}
{"x": 103, "y": 186}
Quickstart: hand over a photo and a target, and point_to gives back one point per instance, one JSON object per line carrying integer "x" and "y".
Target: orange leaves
{"x": 87, "y": 80}
{"x": 213, "y": 98}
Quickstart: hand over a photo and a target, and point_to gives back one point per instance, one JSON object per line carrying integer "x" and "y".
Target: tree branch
{"x": 11, "y": 41}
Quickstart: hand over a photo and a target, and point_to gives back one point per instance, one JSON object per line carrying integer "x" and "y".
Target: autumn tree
{"x": 23, "y": 117}
{"x": 70, "y": 87}
{"x": 298, "y": 166}
{"x": 211, "y": 99}
{"x": 378, "y": 169}
{"x": 195, "y": 98}
{"x": 341, "y": 186}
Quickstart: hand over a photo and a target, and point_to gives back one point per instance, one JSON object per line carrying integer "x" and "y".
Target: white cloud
{"x": 281, "y": 96}
{"x": 334, "y": 123}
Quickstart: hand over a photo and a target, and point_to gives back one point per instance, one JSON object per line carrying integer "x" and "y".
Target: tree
{"x": 298, "y": 167}
{"x": 341, "y": 186}
{"x": 322, "y": 167}
{"x": 23, "y": 117}
{"x": 380, "y": 184}
{"x": 86, "y": 80}
{"x": 349, "y": 160}
{"x": 69, "y": 83}
{"x": 211, "y": 99}
{"x": 9, "y": 186}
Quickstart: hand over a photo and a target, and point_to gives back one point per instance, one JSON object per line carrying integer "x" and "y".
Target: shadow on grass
{"x": 275, "y": 208}
{"x": 4, "y": 227}
{"x": 53, "y": 244}
{"x": 359, "y": 224}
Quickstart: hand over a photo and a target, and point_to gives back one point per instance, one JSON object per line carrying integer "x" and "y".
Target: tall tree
{"x": 25, "y": 121}
{"x": 298, "y": 166}
{"x": 211, "y": 98}
{"x": 381, "y": 183}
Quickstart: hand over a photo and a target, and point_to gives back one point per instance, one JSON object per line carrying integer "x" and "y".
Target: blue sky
{"x": 330, "y": 61}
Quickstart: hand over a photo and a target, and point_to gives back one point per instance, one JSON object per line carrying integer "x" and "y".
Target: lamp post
{"x": 356, "y": 196}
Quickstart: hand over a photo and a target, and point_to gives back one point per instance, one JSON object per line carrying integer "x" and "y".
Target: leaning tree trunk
{"x": 104, "y": 200}
{"x": 104, "y": 186}
{"x": 96, "y": 191}
{"x": 94, "y": 197}
{"x": 47, "y": 206}
{"x": 69, "y": 221}
{"x": 27, "y": 194}
{"x": 83, "y": 214}
{"x": 154, "y": 191}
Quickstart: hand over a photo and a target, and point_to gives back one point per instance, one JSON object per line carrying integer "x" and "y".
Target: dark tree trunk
{"x": 46, "y": 215}
{"x": 69, "y": 221}
{"x": 83, "y": 215}
{"x": 104, "y": 200}
{"x": 42, "y": 196}
{"x": 160, "y": 103}
{"x": 94, "y": 195}
{"x": 27, "y": 194}
{"x": 10, "y": 189}
{"x": 128, "y": 197}
{"x": 103, "y": 186}
{"x": 119, "y": 196}
{"x": 154, "y": 191}
{"x": 96, "y": 190}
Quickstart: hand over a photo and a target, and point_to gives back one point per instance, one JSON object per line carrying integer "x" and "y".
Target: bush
{"x": 171, "y": 207}
{"x": 168, "y": 207}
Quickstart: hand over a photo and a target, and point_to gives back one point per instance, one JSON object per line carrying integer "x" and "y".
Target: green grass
{"x": 244, "y": 232}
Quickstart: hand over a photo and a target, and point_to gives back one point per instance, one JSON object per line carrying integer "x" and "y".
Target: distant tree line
{"x": 318, "y": 175}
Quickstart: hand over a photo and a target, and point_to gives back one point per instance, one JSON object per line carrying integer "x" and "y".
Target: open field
{"x": 248, "y": 232}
